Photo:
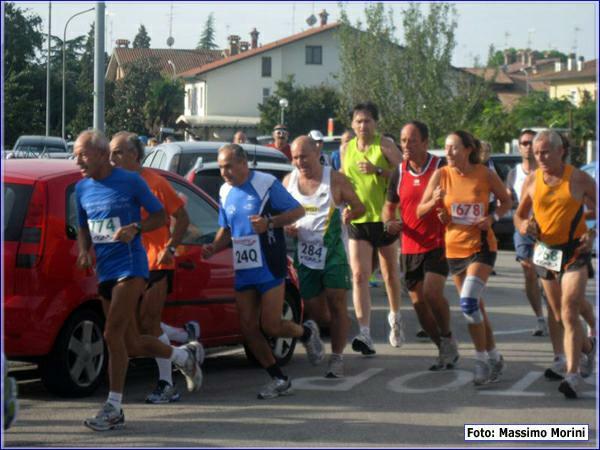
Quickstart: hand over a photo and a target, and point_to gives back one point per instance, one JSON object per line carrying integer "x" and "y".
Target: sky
{"x": 540, "y": 25}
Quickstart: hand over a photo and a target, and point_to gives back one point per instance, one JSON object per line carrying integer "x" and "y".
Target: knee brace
{"x": 469, "y": 298}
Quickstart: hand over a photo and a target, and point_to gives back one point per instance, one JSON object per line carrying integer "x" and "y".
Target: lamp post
{"x": 283, "y": 103}
{"x": 63, "y": 66}
{"x": 172, "y": 64}
{"x": 526, "y": 80}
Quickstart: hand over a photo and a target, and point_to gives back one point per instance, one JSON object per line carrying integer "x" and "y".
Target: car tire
{"x": 78, "y": 361}
{"x": 283, "y": 348}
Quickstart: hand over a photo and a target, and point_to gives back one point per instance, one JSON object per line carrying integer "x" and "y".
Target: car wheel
{"x": 283, "y": 348}
{"x": 78, "y": 361}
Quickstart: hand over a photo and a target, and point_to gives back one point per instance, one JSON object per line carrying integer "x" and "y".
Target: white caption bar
{"x": 526, "y": 432}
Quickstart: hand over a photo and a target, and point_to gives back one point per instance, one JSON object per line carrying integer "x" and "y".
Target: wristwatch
{"x": 379, "y": 171}
{"x": 172, "y": 249}
{"x": 270, "y": 224}
{"x": 138, "y": 227}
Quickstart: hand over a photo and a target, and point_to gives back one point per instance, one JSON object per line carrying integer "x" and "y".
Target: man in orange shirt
{"x": 127, "y": 152}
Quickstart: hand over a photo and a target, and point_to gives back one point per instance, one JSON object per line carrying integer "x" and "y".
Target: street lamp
{"x": 283, "y": 103}
{"x": 63, "y": 66}
{"x": 172, "y": 64}
{"x": 526, "y": 80}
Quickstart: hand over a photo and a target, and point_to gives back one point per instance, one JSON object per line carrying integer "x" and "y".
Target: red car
{"x": 52, "y": 313}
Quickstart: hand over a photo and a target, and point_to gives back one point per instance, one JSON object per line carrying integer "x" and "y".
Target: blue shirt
{"x": 336, "y": 162}
{"x": 262, "y": 194}
{"x": 106, "y": 205}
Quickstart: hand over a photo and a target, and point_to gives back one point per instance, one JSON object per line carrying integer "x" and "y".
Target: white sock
{"x": 337, "y": 356}
{"x": 174, "y": 333}
{"x": 115, "y": 399}
{"x": 494, "y": 355}
{"x": 179, "y": 356}
{"x": 164, "y": 364}
{"x": 541, "y": 319}
{"x": 560, "y": 357}
{"x": 481, "y": 356}
{"x": 366, "y": 331}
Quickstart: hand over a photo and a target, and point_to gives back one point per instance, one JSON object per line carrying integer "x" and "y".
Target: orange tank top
{"x": 466, "y": 202}
{"x": 555, "y": 209}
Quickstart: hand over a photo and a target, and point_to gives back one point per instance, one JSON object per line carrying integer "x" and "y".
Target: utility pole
{"x": 99, "y": 68}
{"x": 48, "y": 72}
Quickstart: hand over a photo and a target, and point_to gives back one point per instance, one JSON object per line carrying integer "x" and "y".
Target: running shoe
{"x": 164, "y": 393}
{"x": 275, "y": 388}
{"x": 362, "y": 343}
{"x": 108, "y": 418}
{"x": 191, "y": 368}
{"x": 192, "y": 328}
{"x": 314, "y": 345}
{"x": 540, "y": 329}
{"x": 482, "y": 373}
{"x": 336, "y": 367}
{"x": 422, "y": 334}
{"x": 558, "y": 369}
{"x": 396, "y": 337}
{"x": 588, "y": 360}
{"x": 571, "y": 385}
{"x": 449, "y": 352}
{"x": 497, "y": 367}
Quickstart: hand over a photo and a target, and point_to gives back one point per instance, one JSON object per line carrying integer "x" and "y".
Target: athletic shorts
{"x": 157, "y": 275}
{"x": 106, "y": 287}
{"x": 568, "y": 264}
{"x": 261, "y": 288}
{"x": 372, "y": 232}
{"x": 415, "y": 266}
{"x": 523, "y": 246}
{"x": 459, "y": 265}
{"x": 313, "y": 282}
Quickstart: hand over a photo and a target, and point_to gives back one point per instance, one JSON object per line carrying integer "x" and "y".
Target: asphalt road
{"x": 390, "y": 400}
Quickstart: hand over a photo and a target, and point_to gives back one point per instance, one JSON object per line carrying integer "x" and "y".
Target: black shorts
{"x": 417, "y": 265}
{"x": 459, "y": 265}
{"x": 157, "y": 275}
{"x": 106, "y": 287}
{"x": 371, "y": 232}
{"x": 571, "y": 262}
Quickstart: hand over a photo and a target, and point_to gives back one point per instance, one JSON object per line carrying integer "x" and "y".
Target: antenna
{"x": 171, "y": 39}
{"x": 576, "y": 30}
{"x": 293, "y": 17}
{"x": 530, "y": 34}
{"x": 506, "y": 36}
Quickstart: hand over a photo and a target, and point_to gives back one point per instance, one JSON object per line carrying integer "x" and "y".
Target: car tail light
{"x": 34, "y": 227}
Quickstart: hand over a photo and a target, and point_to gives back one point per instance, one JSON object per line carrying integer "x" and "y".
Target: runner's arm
{"x": 502, "y": 194}
{"x": 84, "y": 243}
{"x": 589, "y": 195}
{"x": 222, "y": 241}
{"x": 182, "y": 222}
{"x": 429, "y": 201}
{"x": 392, "y": 154}
{"x": 354, "y": 207}
{"x": 342, "y": 156}
{"x": 521, "y": 217}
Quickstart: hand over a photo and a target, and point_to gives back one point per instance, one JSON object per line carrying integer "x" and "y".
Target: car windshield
{"x": 16, "y": 200}
{"x": 38, "y": 148}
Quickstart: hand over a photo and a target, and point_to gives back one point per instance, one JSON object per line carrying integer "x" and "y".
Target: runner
{"x": 459, "y": 193}
{"x": 127, "y": 152}
{"x": 557, "y": 193}
{"x": 367, "y": 161}
{"x": 524, "y": 244}
{"x": 320, "y": 256}
{"x": 108, "y": 203}
{"x": 254, "y": 207}
{"x": 423, "y": 259}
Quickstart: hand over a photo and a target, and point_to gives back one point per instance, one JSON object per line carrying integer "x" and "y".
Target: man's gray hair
{"x": 134, "y": 143}
{"x": 96, "y": 139}
{"x": 238, "y": 152}
{"x": 551, "y": 136}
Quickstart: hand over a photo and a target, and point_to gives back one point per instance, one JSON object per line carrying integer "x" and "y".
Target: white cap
{"x": 316, "y": 135}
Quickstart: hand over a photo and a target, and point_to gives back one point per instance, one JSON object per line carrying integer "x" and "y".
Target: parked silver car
{"x": 39, "y": 147}
{"x": 180, "y": 157}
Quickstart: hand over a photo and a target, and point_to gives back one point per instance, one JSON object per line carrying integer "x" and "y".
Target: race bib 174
{"x": 103, "y": 230}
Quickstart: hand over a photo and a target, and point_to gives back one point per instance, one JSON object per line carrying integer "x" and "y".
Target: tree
{"x": 309, "y": 107}
{"x": 412, "y": 81}
{"x": 23, "y": 38}
{"x": 141, "y": 40}
{"x": 207, "y": 38}
{"x": 164, "y": 104}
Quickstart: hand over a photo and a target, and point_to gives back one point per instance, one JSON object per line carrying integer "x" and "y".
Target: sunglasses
{"x": 526, "y": 143}
{"x": 280, "y": 133}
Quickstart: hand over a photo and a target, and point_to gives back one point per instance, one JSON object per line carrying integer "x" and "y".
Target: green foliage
{"x": 207, "y": 38}
{"x": 164, "y": 104}
{"x": 141, "y": 40}
{"x": 309, "y": 108}
{"x": 496, "y": 57}
{"x": 20, "y": 53}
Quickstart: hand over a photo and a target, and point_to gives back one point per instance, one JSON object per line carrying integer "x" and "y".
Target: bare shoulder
{"x": 338, "y": 179}
{"x": 286, "y": 180}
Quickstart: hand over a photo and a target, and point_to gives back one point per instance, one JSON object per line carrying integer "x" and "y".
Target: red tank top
{"x": 424, "y": 234}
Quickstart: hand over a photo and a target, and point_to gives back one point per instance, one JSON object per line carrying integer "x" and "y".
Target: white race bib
{"x": 546, "y": 257}
{"x": 467, "y": 213}
{"x": 103, "y": 230}
{"x": 312, "y": 254}
{"x": 246, "y": 252}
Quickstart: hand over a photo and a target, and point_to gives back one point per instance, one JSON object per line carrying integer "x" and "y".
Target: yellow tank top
{"x": 370, "y": 188}
{"x": 554, "y": 209}
{"x": 466, "y": 202}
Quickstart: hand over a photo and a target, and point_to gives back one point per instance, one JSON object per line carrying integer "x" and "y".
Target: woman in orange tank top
{"x": 460, "y": 193}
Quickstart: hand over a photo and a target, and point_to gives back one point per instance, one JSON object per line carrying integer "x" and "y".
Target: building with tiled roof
{"x": 574, "y": 80}
{"x": 170, "y": 61}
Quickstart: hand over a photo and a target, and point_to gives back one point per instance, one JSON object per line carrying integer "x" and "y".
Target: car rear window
{"x": 39, "y": 148}
{"x": 188, "y": 159}
{"x": 16, "y": 201}
{"x": 503, "y": 166}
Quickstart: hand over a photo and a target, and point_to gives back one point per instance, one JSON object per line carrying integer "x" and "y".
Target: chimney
{"x": 234, "y": 44}
{"x": 522, "y": 57}
{"x": 254, "y": 35}
{"x": 530, "y": 58}
{"x": 244, "y": 46}
{"x": 580, "y": 63}
{"x": 122, "y": 43}
{"x": 323, "y": 15}
{"x": 571, "y": 61}
{"x": 507, "y": 58}
{"x": 558, "y": 66}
